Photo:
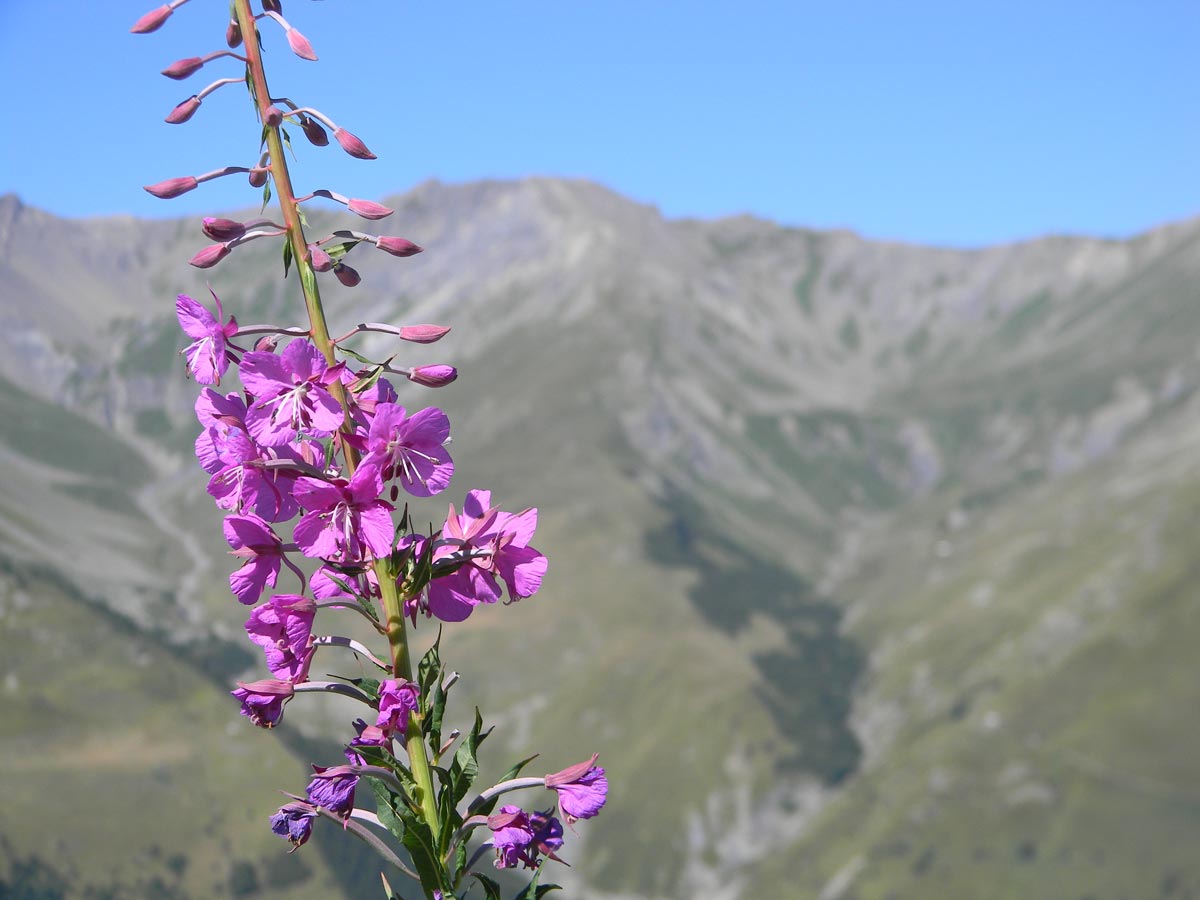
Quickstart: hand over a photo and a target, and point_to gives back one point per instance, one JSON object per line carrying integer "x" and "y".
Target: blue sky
{"x": 951, "y": 123}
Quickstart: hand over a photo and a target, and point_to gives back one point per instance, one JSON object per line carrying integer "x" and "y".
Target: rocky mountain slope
{"x": 869, "y": 562}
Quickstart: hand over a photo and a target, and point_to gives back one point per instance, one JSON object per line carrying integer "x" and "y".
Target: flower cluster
{"x": 310, "y": 460}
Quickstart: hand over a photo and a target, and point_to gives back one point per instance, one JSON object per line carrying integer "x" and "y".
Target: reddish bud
{"x": 182, "y": 68}
{"x": 274, "y": 116}
{"x": 272, "y": 6}
{"x": 314, "y": 132}
{"x": 347, "y": 276}
{"x": 319, "y": 259}
{"x": 151, "y": 21}
{"x": 397, "y": 246}
{"x": 300, "y": 45}
{"x": 267, "y": 343}
{"x": 351, "y": 144}
{"x": 258, "y": 177}
{"x": 184, "y": 111}
{"x": 172, "y": 187}
{"x": 369, "y": 209}
{"x": 210, "y": 256}
{"x": 233, "y": 34}
{"x": 432, "y": 376}
{"x": 423, "y": 334}
{"x": 223, "y": 229}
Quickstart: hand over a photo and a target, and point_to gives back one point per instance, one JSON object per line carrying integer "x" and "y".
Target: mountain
{"x": 870, "y": 563}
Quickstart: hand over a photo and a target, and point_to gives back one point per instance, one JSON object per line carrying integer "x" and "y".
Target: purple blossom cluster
{"x": 310, "y": 460}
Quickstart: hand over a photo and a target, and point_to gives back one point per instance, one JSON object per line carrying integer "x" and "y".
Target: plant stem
{"x": 385, "y": 572}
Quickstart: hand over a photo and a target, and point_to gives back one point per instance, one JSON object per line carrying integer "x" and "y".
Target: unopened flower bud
{"x": 172, "y": 187}
{"x": 319, "y": 259}
{"x": 267, "y": 343}
{"x": 233, "y": 34}
{"x": 182, "y": 68}
{"x": 272, "y": 6}
{"x": 314, "y": 132}
{"x": 274, "y": 116}
{"x": 397, "y": 246}
{"x": 347, "y": 276}
{"x": 258, "y": 176}
{"x": 210, "y": 256}
{"x": 300, "y": 45}
{"x": 351, "y": 144}
{"x": 223, "y": 229}
{"x": 369, "y": 209}
{"x": 423, "y": 334}
{"x": 151, "y": 21}
{"x": 184, "y": 111}
{"x": 432, "y": 376}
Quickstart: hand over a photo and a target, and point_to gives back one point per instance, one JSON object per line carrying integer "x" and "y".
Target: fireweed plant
{"x": 318, "y": 438}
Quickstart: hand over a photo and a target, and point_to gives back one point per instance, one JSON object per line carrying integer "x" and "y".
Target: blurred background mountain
{"x": 872, "y": 565}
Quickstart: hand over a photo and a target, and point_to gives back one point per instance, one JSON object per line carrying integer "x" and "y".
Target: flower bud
{"x": 210, "y": 256}
{"x": 267, "y": 343}
{"x": 319, "y": 259}
{"x": 182, "y": 68}
{"x": 314, "y": 132}
{"x": 423, "y": 334}
{"x": 369, "y": 209}
{"x": 272, "y": 6}
{"x": 258, "y": 176}
{"x": 432, "y": 376}
{"x": 300, "y": 45}
{"x": 172, "y": 187}
{"x": 233, "y": 34}
{"x": 151, "y": 21}
{"x": 223, "y": 229}
{"x": 274, "y": 117}
{"x": 397, "y": 246}
{"x": 347, "y": 276}
{"x": 184, "y": 111}
{"x": 351, "y": 144}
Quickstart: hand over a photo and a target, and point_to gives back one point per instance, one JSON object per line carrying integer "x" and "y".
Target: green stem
{"x": 393, "y": 604}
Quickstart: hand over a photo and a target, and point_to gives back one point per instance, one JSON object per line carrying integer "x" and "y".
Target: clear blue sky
{"x": 957, "y": 123}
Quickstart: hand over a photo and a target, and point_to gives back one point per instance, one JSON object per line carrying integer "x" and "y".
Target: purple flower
{"x": 519, "y": 836}
{"x": 294, "y": 822}
{"x": 493, "y": 543}
{"x": 411, "y": 449}
{"x": 368, "y": 736}
{"x": 207, "y": 356}
{"x": 397, "y": 698}
{"x": 345, "y": 519}
{"x": 582, "y": 789}
{"x": 220, "y": 416}
{"x": 283, "y": 628}
{"x": 333, "y": 789}
{"x": 290, "y": 394}
{"x": 244, "y": 483}
{"x": 253, "y": 540}
{"x": 263, "y": 701}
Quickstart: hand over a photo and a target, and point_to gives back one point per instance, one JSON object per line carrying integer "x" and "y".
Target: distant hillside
{"x": 871, "y": 564}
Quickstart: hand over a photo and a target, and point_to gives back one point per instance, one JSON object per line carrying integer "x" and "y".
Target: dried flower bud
{"x": 272, "y": 6}
{"x": 210, "y": 256}
{"x": 369, "y": 209}
{"x": 300, "y": 45}
{"x": 423, "y": 334}
{"x": 172, "y": 187}
{"x": 151, "y": 21}
{"x": 274, "y": 116}
{"x": 351, "y": 144}
{"x": 223, "y": 229}
{"x": 397, "y": 246}
{"x": 319, "y": 259}
{"x": 432, "y": 376}
{"x": 258, "y": 176}
{"x": 233, "y": 34}
{"x": 314, "y": 132}
{"x": 184, "y": 111}
{"x": 182, "y": 68}
{"x": 347, "y": 276}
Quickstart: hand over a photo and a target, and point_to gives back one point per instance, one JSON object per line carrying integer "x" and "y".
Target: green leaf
{"x": 287, "y": 141}
{"x": 533, "y": 891}
{"x": 491, "y": 889}
{"x": 358, "y": 356}
{"x": 287, "y": 256}
{"x": 308, "y": 281}
{"x": 419, "y": 842}
{"x": 266, "y": 194}
{"x": 390, "y": 808}
{"x": 465, "y": 767}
